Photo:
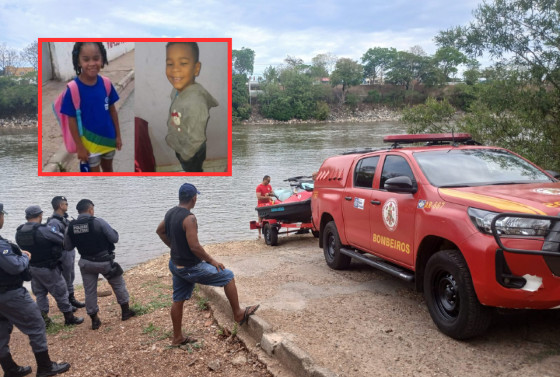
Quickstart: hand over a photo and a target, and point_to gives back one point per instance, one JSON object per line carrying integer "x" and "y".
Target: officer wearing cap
{"x": 59, "y": 220}
{"x": 18, "y": 308}
{"x": 190, "y": 263}
{"x": 95, "y": 240}
{"x": 45, "y": 245}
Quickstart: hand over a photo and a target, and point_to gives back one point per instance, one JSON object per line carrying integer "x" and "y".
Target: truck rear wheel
{"x": 270, "y": 234}
{"x": 331, "y": 248}
{"x": 451, "y": 298}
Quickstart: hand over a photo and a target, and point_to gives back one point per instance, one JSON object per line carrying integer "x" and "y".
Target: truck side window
{"x": 364, "y": 172}
{"x": 395, "y": 166}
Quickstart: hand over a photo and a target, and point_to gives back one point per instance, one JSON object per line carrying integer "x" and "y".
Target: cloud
{"x": 272, "y": 29}
{"x": 272, "y": 48}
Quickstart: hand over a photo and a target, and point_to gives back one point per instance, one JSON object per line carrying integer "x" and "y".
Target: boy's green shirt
{"x": 188, "y": 118}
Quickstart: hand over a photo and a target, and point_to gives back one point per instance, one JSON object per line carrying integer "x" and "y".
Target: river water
{"x": 134, "y": 206}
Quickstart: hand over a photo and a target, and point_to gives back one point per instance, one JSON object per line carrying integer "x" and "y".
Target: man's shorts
{"x": 95, "y": 160}
{"x": 185, "y": 278}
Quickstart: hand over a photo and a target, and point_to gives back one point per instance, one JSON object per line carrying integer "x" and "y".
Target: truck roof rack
{"x": 362, "y": 150}
{"x": 430, "y": 139}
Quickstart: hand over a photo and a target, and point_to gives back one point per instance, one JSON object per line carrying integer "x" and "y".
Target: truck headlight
{"x": 509, "y": 226}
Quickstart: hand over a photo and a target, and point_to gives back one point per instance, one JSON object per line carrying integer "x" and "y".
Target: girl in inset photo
{"x": 95, "y": 124}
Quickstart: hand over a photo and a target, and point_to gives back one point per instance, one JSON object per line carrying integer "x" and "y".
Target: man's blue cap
{"x": 187, "y": 192}
{"x": 2, "y": 209}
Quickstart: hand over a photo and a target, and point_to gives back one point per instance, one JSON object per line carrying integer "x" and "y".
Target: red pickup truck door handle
{"x": 376, "y": 202}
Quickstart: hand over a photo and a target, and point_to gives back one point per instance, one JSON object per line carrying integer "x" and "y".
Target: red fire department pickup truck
{"x": 472, "y": 226}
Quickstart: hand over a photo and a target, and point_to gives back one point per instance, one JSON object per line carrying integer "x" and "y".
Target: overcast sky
{"x": 273, "y": 30}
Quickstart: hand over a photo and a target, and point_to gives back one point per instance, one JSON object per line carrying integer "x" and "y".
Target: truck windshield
{"x": 477, "y": 167}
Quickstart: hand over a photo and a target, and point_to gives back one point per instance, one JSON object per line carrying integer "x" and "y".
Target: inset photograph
{"x": 87, "y": 106}
{"x": 181, "y": 106}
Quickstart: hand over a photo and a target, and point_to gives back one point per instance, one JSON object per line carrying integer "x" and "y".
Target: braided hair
{"x": 76, "y": 55}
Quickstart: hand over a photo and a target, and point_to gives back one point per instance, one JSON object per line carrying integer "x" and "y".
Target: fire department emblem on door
{"x": 391, "y": 214}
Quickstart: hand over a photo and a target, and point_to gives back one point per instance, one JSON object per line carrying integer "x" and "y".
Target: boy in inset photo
{"x": 190, "y": 105}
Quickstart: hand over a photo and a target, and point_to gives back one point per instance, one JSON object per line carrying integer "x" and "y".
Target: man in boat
{"x": 191, "y": 264}
{"x": 264, "y": 194}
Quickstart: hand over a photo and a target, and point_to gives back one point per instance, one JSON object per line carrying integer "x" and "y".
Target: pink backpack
{"x": 63, "y": 120}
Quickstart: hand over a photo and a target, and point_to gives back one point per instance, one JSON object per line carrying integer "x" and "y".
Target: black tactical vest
{"x": 44, "y": 253}
{"x": 88, "y": 237}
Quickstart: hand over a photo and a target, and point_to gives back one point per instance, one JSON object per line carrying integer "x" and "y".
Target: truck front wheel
{"x": 331, "y": 248}
{"x": 451, "y": 298}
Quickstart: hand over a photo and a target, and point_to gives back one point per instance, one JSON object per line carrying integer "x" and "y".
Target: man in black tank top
{"x": 191, "y": 264}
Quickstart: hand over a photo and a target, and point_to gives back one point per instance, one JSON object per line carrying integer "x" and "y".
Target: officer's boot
{"x": 46, "y": 367}
{"x": 127, "y": 313}
{"x": 71, "y": 319}
{"x": 47, "y": 319}
{"x": 75, "y": 302}
{"x": 95, "y": 321}
{"x": 11, "y": 369}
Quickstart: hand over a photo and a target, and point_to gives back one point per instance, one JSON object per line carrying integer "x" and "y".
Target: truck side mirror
{"x": 401, "y": 184}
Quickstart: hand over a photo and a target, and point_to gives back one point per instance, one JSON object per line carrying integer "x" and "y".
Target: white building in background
{"x": 254, "y": 88}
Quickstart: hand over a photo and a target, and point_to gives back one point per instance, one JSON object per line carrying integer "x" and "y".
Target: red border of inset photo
{"x": 228, "y": 171}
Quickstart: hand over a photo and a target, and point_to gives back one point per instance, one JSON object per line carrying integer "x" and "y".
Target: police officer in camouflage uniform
{"x": 59, "y": 220}
{"x": 95, "y": 240}
{"x": 18, "y": 308}
{"x": 45, "y": 245}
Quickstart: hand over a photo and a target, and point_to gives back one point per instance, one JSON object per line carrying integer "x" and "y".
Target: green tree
{"x": 527, "y": 30}
{"x": 293, "y": 63}
{"x": 348, "y": 73}
{"x": 404, "y": 69}
{"x": 376, "y": 62}
{"x": 522, "y": 118}
{"x": 274, "y": 103}
{"x": 519, "y": 105}
{"x": 18, "y": 96}
{"x": 447, "y": 59}
{"x": 240, "y": 107}
{"x": 270, "y": 75}
{"x": 323, "y": 64}
{"x": 243, "y": 61}
{"x": 289, "y": 93}
{"x": 431, "y": 117}
{"x": 472, "y": 73}
{"x": 318, "y": 67}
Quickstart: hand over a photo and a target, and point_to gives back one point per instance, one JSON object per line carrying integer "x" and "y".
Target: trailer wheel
{"x": 270, "y": 234}
{"x": 331, "y": 248}
{"x": 451, "y": 298}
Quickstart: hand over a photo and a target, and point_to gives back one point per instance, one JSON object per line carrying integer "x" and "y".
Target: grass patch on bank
{"x": 162, "y": 300}
{"x": 159, "y": 298}
{"x": 57, "y": 326}
{"x": 202, "y": 303}
{"x": 155, "y": 333}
